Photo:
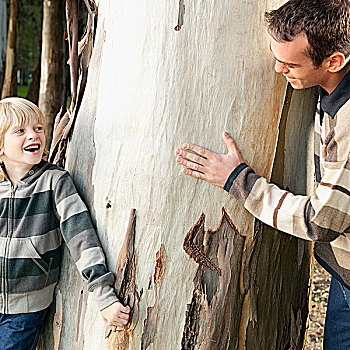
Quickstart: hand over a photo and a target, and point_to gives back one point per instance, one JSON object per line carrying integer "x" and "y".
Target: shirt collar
{"x": 331, "y": 103}
{"x": 31, "y": 175}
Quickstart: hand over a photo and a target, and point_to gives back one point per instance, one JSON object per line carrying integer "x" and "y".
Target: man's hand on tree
{"x": 209, "y": 166}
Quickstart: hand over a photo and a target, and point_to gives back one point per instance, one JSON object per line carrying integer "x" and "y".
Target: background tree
{"x": 29, "y": 54}
{"x": 3, "y": 35}
{"x": 52, "y": 79}
{"x": 9, "y": 84}
{"x": 196, "y": 275}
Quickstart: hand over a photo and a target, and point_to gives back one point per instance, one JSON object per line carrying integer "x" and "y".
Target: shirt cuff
{"x": 104, "y": 296}
{"x": 236, "y": 171}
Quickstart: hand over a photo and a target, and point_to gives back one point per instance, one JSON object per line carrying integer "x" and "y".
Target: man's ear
{"x": 336, "y": 62}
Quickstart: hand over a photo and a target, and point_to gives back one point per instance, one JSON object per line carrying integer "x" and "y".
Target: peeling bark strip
{"x": 80, "y": 55}
{"x": 91, "y": 6}
{"x": 150, "y": 323}
{"x": 180, "y": 21}
{"x": 191, "y": 330}
{"x": 72, "y": 11}
{"x": 125, "y": 287}
{"x": 193, "y": 246}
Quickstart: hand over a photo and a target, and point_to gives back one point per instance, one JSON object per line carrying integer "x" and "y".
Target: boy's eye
{"x": 39, "y": 128}
{"x": 19, "y": 131}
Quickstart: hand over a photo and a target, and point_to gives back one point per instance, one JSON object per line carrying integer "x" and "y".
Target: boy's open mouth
{"x": 33, "y": 148}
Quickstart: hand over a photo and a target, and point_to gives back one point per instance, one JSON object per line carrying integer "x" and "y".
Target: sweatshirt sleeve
{"x": 82, "y": 241}
{"x": 322, "y": 217}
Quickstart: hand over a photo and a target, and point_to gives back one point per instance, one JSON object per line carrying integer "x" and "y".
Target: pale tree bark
{"x": 52, "y": 78}
{"x": 3, "y": 35}
{"x": 9, "y": 84}
{"x": 197, "y": 269}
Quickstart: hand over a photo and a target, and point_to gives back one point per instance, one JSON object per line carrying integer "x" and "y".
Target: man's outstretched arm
{"x": 324, "y": 216}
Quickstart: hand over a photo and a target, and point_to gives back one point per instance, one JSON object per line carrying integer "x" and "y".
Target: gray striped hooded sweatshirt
{"x": 325, "y": 216}
{"x": 37, "y": 214}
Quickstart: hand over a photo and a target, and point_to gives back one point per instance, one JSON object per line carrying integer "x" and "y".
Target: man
{"x": 310, "y": 40}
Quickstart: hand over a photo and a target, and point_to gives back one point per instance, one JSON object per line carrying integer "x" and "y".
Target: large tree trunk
{"x": 3, "y": 34}
{"x": 52, "y": 78}
{"x": 200, "y": 273}
{"x": 9, "y": 84}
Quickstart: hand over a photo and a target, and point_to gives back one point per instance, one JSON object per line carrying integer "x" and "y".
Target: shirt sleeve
{"x": 82, "y": 241}
{"x": 321, "y": 217}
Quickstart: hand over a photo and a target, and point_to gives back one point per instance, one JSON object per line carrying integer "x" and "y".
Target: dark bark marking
{"x": 191, "y": 330}
{"x": 150, "y": 284}
{"x": 193, "y": 246}
{"x": 221, "y": 293}
{"x": 180, "y": 20}
{"x": 160, "y": 265}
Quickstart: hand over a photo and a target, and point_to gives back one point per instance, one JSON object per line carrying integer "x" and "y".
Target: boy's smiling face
{"x": 23, "y": 147}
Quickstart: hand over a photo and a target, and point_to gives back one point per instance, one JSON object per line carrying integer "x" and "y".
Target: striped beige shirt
{"x": 325, "y": 216}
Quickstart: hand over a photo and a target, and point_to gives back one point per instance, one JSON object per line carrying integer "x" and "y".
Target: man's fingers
{"x": 191, "y": 156}
{"x": 189, "y": 164}
{"x": 197, "y": 149}
{"x": 195, "y": 174}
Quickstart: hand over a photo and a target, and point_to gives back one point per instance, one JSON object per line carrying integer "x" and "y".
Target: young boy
{"x": 310, "y": 40}
{"x": 39, "y": 206}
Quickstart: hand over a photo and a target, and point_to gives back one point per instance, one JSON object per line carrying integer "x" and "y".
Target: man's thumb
{"x": 230, "y": 144}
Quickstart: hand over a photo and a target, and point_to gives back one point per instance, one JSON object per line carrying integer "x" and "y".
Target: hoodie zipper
{"x": 6, "y": 250}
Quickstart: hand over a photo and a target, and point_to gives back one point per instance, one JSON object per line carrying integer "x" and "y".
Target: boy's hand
{"x": 210, "y": 166}
{"x": 116, "y": 314}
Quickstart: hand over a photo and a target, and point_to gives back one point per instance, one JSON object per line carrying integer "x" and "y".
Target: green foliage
{"x": 22, "y": 91}
{"x": 30, "y": 34}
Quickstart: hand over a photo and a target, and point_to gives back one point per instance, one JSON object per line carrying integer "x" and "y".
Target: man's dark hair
{"x": 326, "y": 24}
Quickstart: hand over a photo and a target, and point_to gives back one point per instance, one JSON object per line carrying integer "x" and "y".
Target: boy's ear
{"x": 336, "y": 62}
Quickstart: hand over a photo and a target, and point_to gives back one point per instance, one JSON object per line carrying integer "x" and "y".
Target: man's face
{"x": 295, "y": 65}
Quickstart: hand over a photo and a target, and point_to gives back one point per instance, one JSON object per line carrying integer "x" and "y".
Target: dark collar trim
{"x": 331, "y": 103}
{"x": 31, "y": 175}
{"x": 34, "y": 172}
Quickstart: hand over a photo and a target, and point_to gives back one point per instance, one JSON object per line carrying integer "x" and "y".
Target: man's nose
{"x": 281, "y": 68}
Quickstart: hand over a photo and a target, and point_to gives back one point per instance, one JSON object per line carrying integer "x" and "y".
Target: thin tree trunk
{"x": 52, "y": 84}
{"x": 33, "y": 90}
{"x": 9, "y": 84}
{"x": 3, "y": 35}
{"x": 197, "y": 269}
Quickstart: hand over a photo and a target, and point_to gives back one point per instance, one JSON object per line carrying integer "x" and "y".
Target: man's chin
{"x": 296, "y": 85}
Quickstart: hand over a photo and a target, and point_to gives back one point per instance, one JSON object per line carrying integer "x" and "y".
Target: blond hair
{"x": 17, "y": 111}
